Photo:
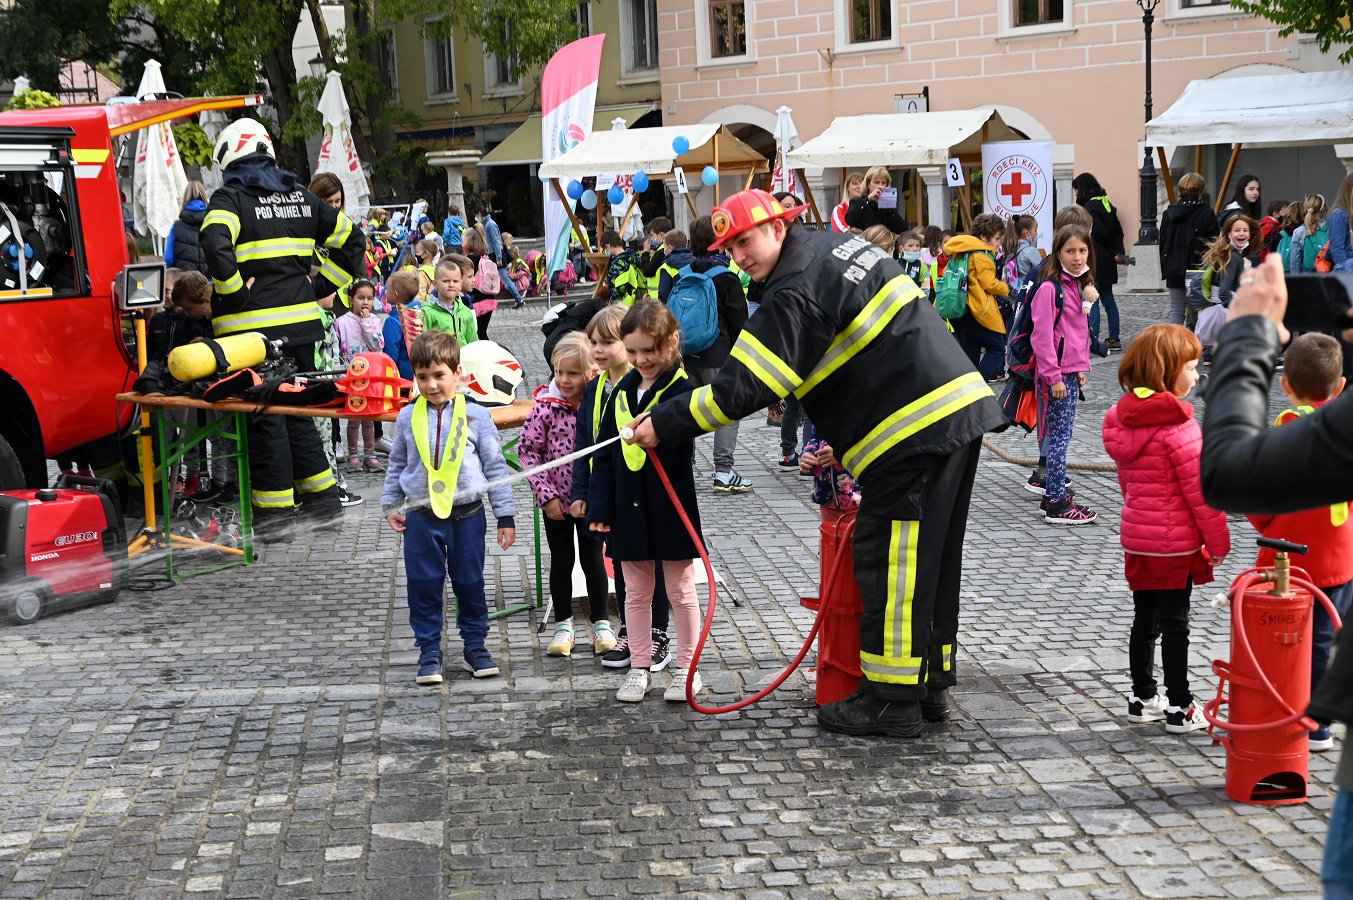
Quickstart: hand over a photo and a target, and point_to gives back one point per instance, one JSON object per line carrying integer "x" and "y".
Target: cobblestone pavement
{"x": 257, "y": 733}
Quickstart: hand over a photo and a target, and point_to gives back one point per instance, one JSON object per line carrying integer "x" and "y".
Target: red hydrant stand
{"x": 838, "y": 639}
{"x": 1267, "y": 741}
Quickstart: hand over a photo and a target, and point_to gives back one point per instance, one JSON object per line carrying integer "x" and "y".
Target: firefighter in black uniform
{"x": 844, "y": 330}
{"x": 260, "y": 235}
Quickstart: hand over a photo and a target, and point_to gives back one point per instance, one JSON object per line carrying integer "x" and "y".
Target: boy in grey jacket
{"x": 445, "y": 453}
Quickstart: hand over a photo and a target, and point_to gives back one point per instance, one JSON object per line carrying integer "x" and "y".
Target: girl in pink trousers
{"x": 1171, "y": 538}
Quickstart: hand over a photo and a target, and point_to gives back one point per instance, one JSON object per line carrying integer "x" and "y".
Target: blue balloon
{"x": 680, "y": 144}
{"x": 640, "y": 182}
{"x": 616, "y": 195}
{"x": 710, "y": 176}
{"x": 575, "y": 189}
{"x": 589, "y": 199}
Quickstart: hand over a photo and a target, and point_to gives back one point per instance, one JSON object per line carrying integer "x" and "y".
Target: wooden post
{"x": 1165, "y": 173}
{"x": 568, "y": 208}
{"x": 812, "y": 201}
{"x": 716, "y": 163}
{"x": 1198, "y": 158}
{"x": 1226, "y": 179}
{"x": 691, "y": 204}
{"x": 629, "y": 211}
{"x": 966, "y": 210}
{"x": 751, "y": 173}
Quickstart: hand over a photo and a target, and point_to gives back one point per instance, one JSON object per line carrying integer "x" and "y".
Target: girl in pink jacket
{"x": 548, "y": 434}
{"x": 1171, "y": 538}
{"x": 1061, "y": 347}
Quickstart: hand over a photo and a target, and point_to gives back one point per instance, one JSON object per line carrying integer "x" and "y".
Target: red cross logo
{"x": 1015, "y": 189}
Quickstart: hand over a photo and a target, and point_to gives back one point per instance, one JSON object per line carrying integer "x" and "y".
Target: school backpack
{"x": 564, "y": 279}
{"x": 486, "y": 278}
{"x": 951, "y": 289}
{"x": 1009, "y": 271}
{"x": 1019, "y": 345}
{"x": 1323, "y": 262}
{"x": 694, "y": 302}
{"x": 1311, "y": 247}
{"x": 1198, "y": 287}
{"x": 1284, "y": 249}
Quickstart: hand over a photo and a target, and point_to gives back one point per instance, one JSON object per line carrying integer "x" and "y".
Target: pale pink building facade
{"x": 1071, "y": 73}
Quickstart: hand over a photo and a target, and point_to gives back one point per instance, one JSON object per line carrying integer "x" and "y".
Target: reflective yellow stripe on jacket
{"x": 340, "y": 233}
{"x": 707, "y": 413}
{"x": 913, "y": 418}
{"x": 891, "y": 299}
{"x": 256, "y": 319}
{"x": 767, "y": 368}
{"x": 223, "y": 217}
{"x": 273, "y": 248}
{"x": 231, "y": 285}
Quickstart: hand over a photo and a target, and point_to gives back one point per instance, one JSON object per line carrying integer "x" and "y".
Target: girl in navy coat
{"x": 627, "y": 501}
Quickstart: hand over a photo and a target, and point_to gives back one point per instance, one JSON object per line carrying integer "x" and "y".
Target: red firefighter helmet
{"x": 373, "y": 385}
{"x": 747, "y": 209}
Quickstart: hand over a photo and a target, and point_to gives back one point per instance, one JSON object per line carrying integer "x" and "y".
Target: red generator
{"x": 60, "y": 547}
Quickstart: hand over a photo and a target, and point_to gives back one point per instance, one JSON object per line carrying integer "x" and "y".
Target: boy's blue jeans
{"x": 433, "y": 549}
{"x": 1322, "y": 629}
{"x": 1110, "y": 305}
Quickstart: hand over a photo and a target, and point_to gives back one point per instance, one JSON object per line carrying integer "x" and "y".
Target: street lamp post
{"x": 1148, "y": 233}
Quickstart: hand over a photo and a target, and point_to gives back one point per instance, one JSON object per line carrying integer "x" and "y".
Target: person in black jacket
{"x": 1107, "y": 236}
{"x": 260, "y": 235}
{"x": 1186, "y": 229}
{"x": 183, "y": 246}
{"x": 703, "y": 366}
{"x": 844, "y": 329}
{"x": 865, "y": 211}
{"x": 1247, "y": 468}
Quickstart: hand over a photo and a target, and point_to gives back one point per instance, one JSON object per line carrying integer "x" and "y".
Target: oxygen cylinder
{"x": 193, "y": 361}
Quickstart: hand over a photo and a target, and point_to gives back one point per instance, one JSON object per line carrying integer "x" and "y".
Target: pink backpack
{"x": 486, "y": 279}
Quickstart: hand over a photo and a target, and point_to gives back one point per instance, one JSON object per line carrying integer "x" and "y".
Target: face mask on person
{"x": 1240, "y": 244}
{"x": 1077, "y": 273}
{"x": 911, "y": 255}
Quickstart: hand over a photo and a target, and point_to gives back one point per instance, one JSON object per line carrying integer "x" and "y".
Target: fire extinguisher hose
{"x": 827, "y": 593}
{"x": 1243, "y": 583}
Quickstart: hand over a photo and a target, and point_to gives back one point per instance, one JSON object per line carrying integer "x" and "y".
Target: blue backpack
{"x": 694, "y": 301}
{"x": 1019, "y": 346}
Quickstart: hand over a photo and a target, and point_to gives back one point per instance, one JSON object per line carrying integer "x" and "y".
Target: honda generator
{"x": 60, "y": 547}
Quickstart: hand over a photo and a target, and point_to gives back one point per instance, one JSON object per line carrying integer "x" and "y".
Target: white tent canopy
{"x": 1301, "y": 108}
{"x": 650, "y": 150}
{"x": 899, "y": 140}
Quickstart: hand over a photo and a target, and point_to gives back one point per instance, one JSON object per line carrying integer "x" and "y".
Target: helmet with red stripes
{"x": 747, "y": 209}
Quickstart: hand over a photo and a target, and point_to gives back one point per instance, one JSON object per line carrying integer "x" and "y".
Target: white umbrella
{"x": 786, "y": 136}
{"x": 158, "y": 180}
{"x": 337, "y": 153}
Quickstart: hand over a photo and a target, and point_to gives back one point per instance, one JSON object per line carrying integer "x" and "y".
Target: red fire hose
{"x": 826, "y": 594}
{"x": 1244, "y": 581}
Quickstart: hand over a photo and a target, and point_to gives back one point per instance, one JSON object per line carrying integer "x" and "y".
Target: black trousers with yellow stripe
{"x": 908, "y": 549}
{"x": 287, "y": 462}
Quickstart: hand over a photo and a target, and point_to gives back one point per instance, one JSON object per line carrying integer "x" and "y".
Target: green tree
{"x": 1331, "y": 21}
{"x": 31, "y": 31}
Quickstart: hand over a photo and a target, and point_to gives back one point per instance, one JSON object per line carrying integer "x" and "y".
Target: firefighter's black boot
{"x": 862, "y": 714}
{"x": 275, "y": 526}
{"x": 935, "y": 706}
{"x": 322, "y": 511}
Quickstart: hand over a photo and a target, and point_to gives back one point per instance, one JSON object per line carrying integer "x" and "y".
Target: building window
{"x": 1199, "y": 4}
{"x": 440, "y": 53}
{"x": 641, "y": 35}
{"x": 583, "y": 17}
{"x": 727, "y": 28}
{"x": 871, "y": 20}
{"x": 1038, "y": 12}
{"x": 502, "y": 74}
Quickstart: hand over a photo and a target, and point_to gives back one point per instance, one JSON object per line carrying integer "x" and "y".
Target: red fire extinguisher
{"x": 1267, "y": 749}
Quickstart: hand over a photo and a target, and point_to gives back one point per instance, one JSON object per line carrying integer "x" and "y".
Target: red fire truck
{"x": 65, "y": 349}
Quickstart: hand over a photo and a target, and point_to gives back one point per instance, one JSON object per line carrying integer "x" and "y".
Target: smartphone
{"x": 888, "y": 198}
{"x": 1319, "y": 301}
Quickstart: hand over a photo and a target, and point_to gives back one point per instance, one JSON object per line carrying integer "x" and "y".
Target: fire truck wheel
{"x": 26, "y": 600}
{"x": 11, "y": 471}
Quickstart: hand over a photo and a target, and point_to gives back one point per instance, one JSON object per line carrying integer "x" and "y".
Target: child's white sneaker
{"x": 603, "y": 638}
{"x": 634, "y": 688}
{"x": 1180, "y": 720}
{"x": 1140, "y": 710}
{"x": 562, "y": 642}
{"x": 676, "y": 688}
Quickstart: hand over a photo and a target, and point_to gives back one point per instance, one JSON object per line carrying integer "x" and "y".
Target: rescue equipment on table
{"x": 372, "y": 385}
{"x": 204, "y": 359}
{"x": 491, "y": 373}
{"x": 33, "y": 231}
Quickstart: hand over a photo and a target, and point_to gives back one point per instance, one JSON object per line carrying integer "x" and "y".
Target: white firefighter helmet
{"x": 491, "y": 373}
{"x": 241, "y": 138}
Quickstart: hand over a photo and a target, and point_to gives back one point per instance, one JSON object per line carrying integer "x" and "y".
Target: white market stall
{"x": 903, "y": 141}
{"x": 1303, "y": 108}
{"x": 653, "y": 152}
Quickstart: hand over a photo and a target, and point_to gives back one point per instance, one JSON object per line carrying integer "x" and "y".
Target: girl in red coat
{"x": 1171, "y": 538}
